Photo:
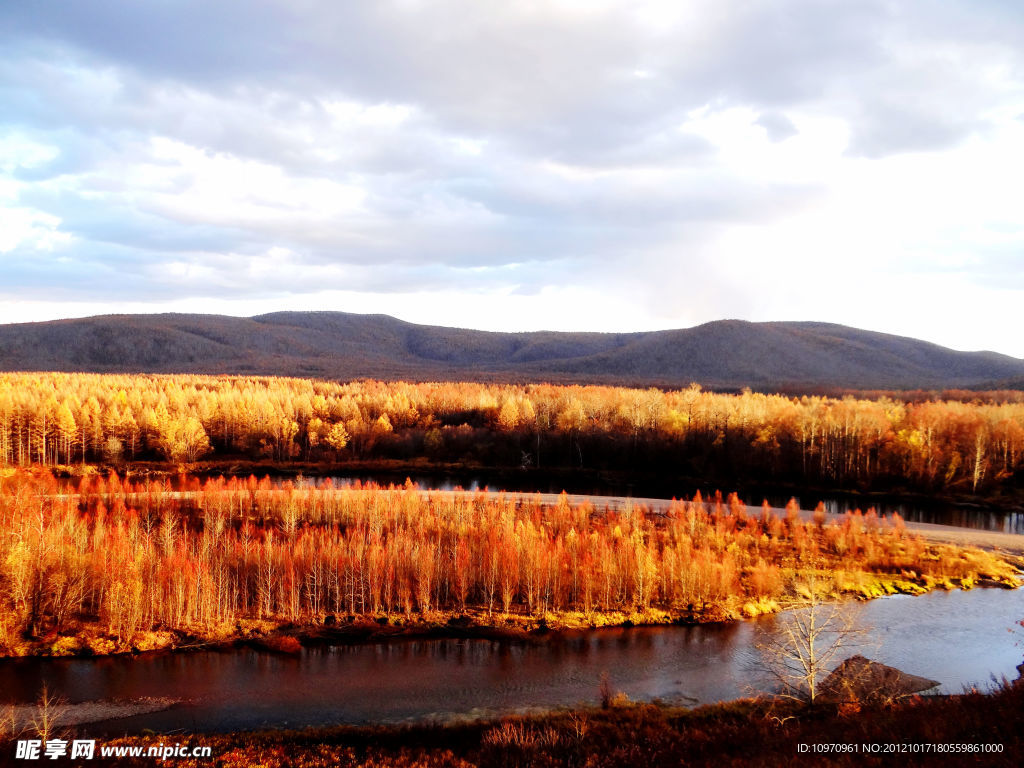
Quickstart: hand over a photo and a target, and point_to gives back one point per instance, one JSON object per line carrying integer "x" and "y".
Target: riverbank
{"x": 26, "y": 717}
{"x": 472, "y": 624}
{"x": 972, "y": 728}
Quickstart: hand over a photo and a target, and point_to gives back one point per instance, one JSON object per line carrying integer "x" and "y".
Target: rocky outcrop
{"x": 861, "y": 680}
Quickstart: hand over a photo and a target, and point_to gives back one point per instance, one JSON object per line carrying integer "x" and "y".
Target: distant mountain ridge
{"x": 340, "y": 345}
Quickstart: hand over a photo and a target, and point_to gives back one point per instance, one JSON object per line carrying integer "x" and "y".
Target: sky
{"x": 552, "y": 164}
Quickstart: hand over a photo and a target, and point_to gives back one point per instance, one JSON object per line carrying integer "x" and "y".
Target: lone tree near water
{"x": 805, "y": 643}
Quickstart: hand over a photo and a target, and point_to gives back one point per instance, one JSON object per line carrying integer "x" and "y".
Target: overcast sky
{"x": 555, "y": 164}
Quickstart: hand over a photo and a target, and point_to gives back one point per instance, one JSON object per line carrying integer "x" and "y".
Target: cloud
{"x": 268, "y": 150}
{"x": 777, "y": 126}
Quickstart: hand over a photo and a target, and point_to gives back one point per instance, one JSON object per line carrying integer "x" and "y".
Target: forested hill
{"x": 724, "y": 354}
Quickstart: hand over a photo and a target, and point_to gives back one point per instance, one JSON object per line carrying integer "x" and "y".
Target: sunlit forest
{"x": 129, "y": 560}
{"x": 954, "y": 441}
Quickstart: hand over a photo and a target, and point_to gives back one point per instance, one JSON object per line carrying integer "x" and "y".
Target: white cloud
{"x": 26, "y": 227}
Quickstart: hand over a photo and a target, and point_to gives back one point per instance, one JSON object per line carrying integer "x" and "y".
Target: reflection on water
{"x": 936, "y": 512}
{"x": 925, "y": 512}
{"x": 959, "y": 638}
{"x": 963, "y": 517}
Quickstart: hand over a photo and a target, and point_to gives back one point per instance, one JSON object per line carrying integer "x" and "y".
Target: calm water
{"x": 958, "y": 638}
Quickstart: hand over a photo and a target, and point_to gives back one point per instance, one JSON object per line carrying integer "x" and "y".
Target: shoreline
{"x": 290, "y": 638}
{"x": 22, "y": 716}
{"x": 744, "y": 731}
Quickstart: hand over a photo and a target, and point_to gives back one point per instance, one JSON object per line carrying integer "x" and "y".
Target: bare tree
{"x": 806, "y": 641}
{"x": 49, "y": 713}
{"x": 8, "y": 724}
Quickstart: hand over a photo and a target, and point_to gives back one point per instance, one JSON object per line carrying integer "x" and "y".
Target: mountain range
{"x": 725, "y": 354}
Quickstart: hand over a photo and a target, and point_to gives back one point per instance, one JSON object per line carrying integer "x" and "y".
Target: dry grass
{"x": 740, "y": 733}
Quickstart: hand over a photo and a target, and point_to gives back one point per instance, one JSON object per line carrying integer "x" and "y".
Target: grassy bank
{"x": 88, "y": 639}
{"x": 747, "y": 732}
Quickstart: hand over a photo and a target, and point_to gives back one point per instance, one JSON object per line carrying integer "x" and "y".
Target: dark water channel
{"x": 922, "y": 511}
{"x": 958, "y": 638}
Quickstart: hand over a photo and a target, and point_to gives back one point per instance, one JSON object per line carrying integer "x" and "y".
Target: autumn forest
{"x": 962, "y": 443}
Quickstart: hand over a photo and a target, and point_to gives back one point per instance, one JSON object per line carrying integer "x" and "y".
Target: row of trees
{"x": 135, "y": 557}
{"x": 58, "y": 418}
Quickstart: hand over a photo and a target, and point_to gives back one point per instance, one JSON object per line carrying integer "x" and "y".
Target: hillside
{"x": 337, "y": 345}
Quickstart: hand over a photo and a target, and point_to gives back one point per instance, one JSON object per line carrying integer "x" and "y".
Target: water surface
{"x": 959, "y": 638}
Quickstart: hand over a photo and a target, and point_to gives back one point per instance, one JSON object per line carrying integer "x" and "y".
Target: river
{"x": 958, "y": 638}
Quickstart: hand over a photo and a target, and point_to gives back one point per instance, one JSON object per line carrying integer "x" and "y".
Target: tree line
{"x": 129, "y": 558}
{"x": 933, "y": 444}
